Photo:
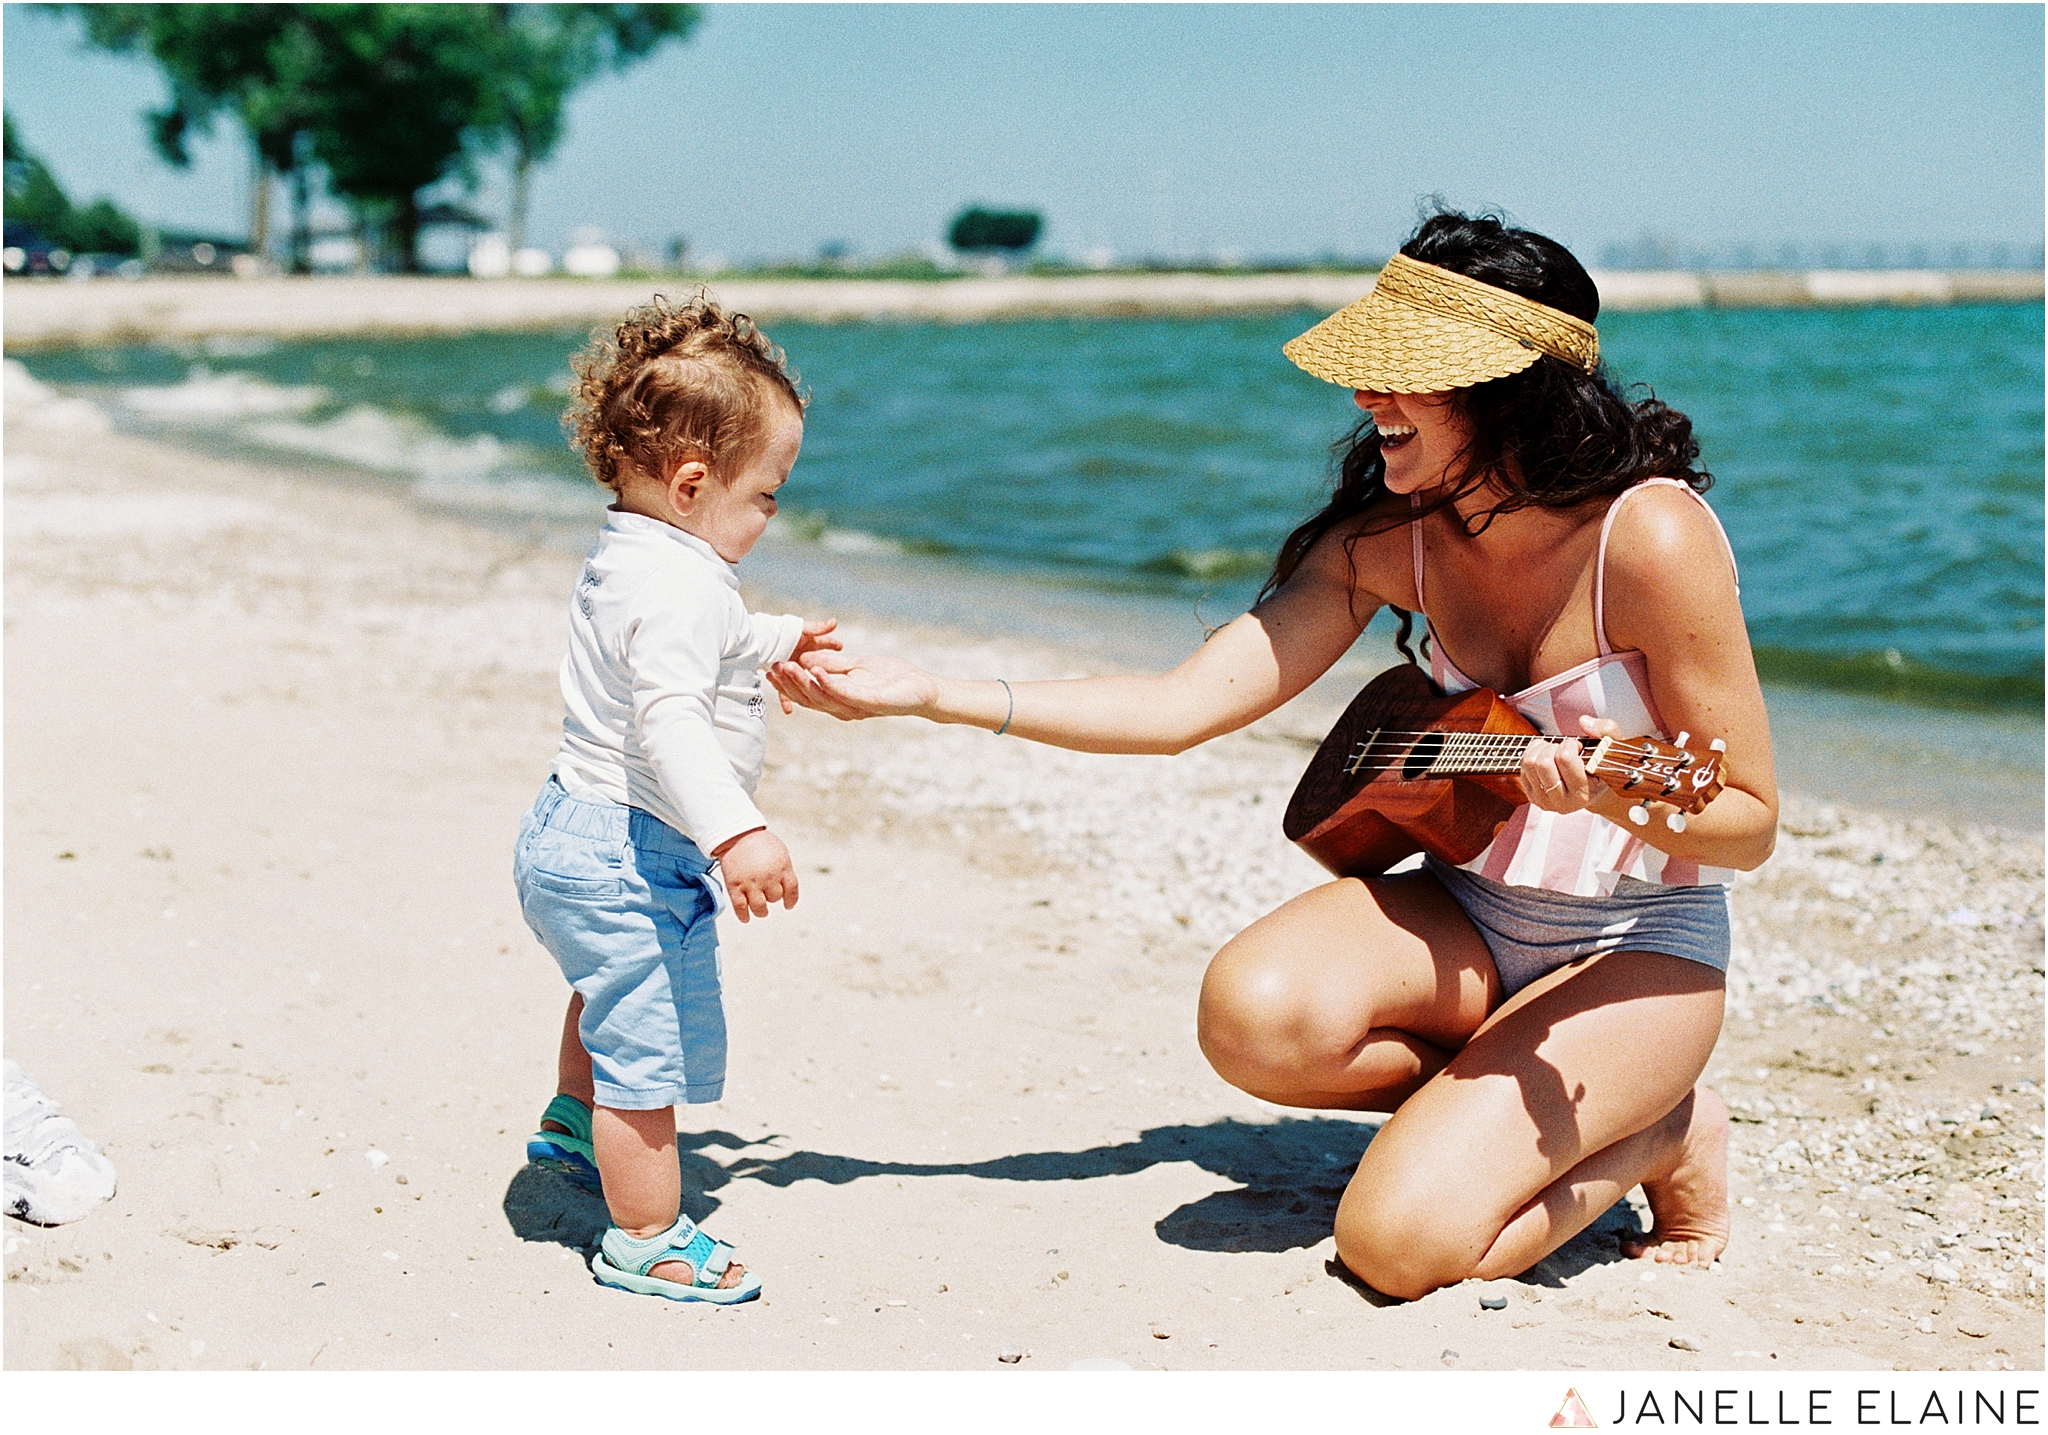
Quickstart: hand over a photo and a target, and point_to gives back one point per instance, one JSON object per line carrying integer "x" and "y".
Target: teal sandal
{"x": 624, "y": 1261}
{"x": 570, "y": 1154}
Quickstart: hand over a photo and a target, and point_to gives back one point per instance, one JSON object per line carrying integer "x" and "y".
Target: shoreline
{"x": 60, "y": 314}
{"x": 1834, "y": 744}
{"x": 265, "y": 868}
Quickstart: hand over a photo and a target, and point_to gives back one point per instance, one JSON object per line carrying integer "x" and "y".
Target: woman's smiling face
{"x": 1421, "y": 436}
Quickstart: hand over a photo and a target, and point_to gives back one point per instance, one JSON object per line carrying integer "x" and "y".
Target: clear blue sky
{"x": 1269, "y": 130}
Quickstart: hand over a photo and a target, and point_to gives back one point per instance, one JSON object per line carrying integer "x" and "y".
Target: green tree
{"x": 387, "y": 99}
{"x": 981, "y": 230}
{"x": 261, "y": 63}
{"x": 541, "y": 53}
{"x": 33, "y": 196}
{"x": 400, "y": 88}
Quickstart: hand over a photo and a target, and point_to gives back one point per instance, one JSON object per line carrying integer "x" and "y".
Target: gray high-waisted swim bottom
{"x": 1532, "y": 932}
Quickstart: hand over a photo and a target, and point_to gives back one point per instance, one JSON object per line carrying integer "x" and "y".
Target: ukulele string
{"x": 1472, "y": 752}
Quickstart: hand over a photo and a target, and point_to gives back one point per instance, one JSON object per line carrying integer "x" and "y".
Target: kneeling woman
{"x": 1537, "y": 1019}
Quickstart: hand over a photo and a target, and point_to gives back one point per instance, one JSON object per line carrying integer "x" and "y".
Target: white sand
{"x": 267, "y": 741}
{"x": 55, "y": 312}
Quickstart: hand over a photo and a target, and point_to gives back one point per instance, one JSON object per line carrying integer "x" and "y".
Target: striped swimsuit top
{"x": 1579, "y": 853}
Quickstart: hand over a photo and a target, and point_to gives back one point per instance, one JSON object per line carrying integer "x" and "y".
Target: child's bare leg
{"x": 572, "y": 1064}
{"x": 636, "y": 1155}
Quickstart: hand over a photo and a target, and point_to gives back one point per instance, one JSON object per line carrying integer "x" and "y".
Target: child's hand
{"x": 847, "y": 688}
{"x": 817, "y": 638}
{"x": 757, "y": 872}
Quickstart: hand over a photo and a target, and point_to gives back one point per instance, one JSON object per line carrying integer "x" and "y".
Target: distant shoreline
{"x": 53, "y": 314}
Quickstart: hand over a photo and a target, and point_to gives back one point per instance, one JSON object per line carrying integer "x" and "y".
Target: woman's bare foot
{"x": 1689, "y": 1206}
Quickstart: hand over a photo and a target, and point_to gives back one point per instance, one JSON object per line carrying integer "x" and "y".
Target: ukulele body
{"x": 1358, "y": 824}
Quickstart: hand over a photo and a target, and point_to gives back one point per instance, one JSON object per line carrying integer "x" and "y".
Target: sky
{"x": 1171, "y": 131}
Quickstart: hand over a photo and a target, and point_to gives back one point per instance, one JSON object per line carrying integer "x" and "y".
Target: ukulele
{"x": 1409, "y": 769}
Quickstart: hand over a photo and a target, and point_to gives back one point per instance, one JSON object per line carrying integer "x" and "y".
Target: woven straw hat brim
{"x": 1424, "y": 329}
{"x": 1387, "y": 347}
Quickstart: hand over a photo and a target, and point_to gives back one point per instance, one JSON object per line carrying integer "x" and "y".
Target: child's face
{"x": 731, "y": 511}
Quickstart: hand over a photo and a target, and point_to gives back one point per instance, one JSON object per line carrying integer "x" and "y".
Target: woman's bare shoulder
{"x": 1368, "y": 553}
{"x": 1666, "y": 553}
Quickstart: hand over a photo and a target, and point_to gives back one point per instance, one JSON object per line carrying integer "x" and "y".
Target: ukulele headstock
{"x": 1652, "y": 770}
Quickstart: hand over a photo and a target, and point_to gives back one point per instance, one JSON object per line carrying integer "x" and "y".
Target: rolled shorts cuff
{"x": 619, "y": 1098}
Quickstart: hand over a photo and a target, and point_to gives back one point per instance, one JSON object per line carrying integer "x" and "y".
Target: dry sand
{"x": 55, "y": 313}
{"x": 267, "y": 739}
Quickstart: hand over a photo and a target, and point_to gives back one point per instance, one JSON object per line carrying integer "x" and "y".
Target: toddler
{"x": 690, "y": 416}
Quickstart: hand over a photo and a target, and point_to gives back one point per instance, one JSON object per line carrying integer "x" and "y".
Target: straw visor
{"x": 1423, "y": 330}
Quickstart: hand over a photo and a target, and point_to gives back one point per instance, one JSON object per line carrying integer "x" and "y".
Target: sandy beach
{"x": 53, "y": 314}
{"x": 267, "y": 739}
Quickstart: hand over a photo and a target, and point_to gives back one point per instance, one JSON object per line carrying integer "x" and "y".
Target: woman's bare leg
{"x": 1579, "y": 1088}
{"x": 1350, "y": 996}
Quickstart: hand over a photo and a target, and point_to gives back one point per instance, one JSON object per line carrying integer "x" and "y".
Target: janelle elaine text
{"x": 1950, "y": 1408}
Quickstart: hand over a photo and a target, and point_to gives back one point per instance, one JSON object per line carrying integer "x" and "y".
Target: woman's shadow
{"x": 1289, "y": 1175}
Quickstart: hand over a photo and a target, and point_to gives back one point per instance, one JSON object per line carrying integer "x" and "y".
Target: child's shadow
{"x": 543, "y": 1205}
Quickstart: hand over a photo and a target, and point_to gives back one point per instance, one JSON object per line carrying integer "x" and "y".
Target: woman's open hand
{"x": 851, "y": 687}
{"x": 818, "y": 635}
{"x": 1552, "y": 776}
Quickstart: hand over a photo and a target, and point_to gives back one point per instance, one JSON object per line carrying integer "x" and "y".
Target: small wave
{"x": 853, "y": 540}
{"x": 34, "y": 403}
{"x": 205, "y": 395}
{"x": 1892, "y": 675}
{"x": 1209, "y": 563}
{"x": 372, "y": 438}
{"x": 237, "y": 346}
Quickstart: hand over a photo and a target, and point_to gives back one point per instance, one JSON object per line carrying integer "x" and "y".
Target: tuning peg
{"x": 1717, "y": 746}
{"x": 1683, "y": 738}
{"x": 1676, "y": 822}
{"x": 1639, "y": 814}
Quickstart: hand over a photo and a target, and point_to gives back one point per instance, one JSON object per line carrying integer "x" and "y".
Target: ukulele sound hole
{"x": 1420, "y": 756}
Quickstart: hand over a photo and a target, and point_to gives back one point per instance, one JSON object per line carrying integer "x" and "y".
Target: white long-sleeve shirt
{"x": 666, "y": 707}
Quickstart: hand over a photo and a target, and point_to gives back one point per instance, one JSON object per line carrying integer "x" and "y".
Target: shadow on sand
{"x": 1290, "y": 1175}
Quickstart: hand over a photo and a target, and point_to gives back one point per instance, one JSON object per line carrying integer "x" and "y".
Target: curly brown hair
{"x": 674, "y": 381}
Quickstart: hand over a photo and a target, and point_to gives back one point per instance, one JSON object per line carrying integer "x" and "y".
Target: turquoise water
{"x": 1879, "y": 470}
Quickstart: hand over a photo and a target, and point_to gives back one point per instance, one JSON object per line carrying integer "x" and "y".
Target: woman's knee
{"x": 1404, "y": 1243}
{"x": 1257, "y": 1020}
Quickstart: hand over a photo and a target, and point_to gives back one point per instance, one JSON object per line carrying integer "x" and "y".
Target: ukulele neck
{"x": 1458, "y": 754}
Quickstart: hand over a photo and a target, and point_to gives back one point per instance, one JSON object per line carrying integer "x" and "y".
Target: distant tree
{"x": 262, "y": 63}
{"x": 981, "y": 230}
{"x": 33, "y": 194}
{"x": 388, "y": 99}
{"x": 400, "y": 88}
{"x": 34, "y": 197}
{"x": 541, "y": 53}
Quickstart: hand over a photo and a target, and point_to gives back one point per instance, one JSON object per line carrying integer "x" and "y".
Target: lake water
{"x": 1879, "y": 471}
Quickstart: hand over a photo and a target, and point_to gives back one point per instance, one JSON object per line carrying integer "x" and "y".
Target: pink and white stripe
{"x": 1578, "y": 853}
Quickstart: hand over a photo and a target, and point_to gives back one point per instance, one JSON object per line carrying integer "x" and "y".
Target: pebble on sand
{"x": 1493, "y": 1302}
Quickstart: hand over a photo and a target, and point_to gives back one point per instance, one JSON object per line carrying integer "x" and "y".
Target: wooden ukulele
{"x": 1408, "y": 769}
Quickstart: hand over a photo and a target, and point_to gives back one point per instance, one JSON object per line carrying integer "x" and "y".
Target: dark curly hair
{"x": 674, "y": 381}
{"x": 1552, "y": 435}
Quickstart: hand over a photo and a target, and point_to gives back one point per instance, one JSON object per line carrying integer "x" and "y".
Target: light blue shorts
{"x": 1532, "y": 932}
{"x": 626, "y": 906}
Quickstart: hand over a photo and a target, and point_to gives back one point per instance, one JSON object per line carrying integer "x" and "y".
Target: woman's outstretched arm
{"x": 1244, "y": 671}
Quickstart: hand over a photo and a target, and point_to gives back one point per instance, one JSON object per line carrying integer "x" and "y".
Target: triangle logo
{"x": 1573, "y": 1414}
